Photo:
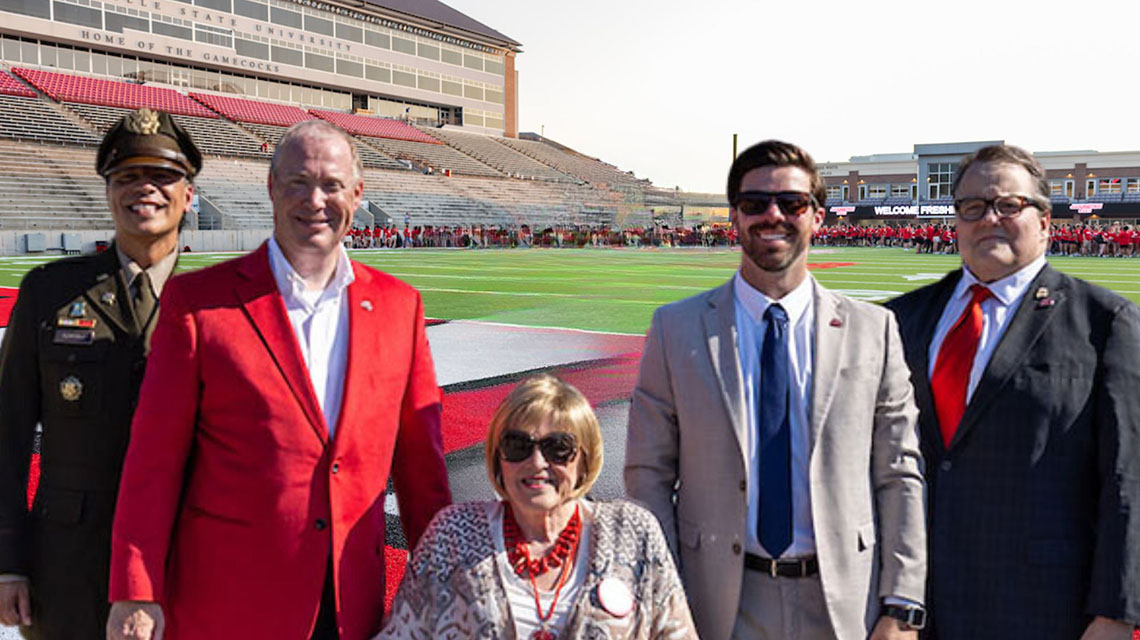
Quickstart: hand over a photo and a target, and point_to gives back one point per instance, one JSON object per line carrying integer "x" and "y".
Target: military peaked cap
{"x": 147, "y": 138}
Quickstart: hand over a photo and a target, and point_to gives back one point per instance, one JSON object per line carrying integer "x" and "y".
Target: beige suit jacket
{"x": 685, "y": 461}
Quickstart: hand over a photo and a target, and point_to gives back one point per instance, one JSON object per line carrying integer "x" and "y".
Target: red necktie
{"x": 951, "y": 376}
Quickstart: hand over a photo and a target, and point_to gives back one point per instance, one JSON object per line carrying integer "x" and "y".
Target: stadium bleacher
{"x": 588, "y": 169}
{"x": 212, "y": 135}
{"x": 50, "y": 187}
{"x": 460, "y": 178}
{"x": 501, "y": 157}
{"x": 10, "y": 86}
{"x": 63, "y": 87}
{"x": 34, "y": 119}
{"x": 253, "y": 111}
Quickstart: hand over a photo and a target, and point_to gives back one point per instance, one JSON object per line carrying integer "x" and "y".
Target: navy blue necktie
{"x": 775, "y": 527}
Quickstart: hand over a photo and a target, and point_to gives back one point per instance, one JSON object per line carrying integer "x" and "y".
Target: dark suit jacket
{"x": 64, "y": 544}
{"x": 1035, "y": 506}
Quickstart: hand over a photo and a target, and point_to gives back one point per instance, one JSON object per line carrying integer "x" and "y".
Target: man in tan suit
{"x": 772, "y": 432}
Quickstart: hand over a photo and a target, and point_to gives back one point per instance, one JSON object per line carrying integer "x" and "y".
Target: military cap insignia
{"x": 144, "y": 122}
{"x": 71, "y": 388}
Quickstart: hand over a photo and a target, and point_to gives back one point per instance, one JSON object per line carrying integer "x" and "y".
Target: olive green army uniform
{"x": 72, "y": 361}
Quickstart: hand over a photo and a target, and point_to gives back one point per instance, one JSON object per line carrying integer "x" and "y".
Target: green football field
{"x": 617, "y": 290}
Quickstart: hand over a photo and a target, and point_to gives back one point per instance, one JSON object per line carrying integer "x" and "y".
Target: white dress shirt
{"x": 750, "y": 308}
{"x": 320, "y": 322}
{"x": 996, "y": 313}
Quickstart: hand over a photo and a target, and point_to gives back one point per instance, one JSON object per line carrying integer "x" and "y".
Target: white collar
{"x": 1007, "y": 289}
{"x": 755, "y": 303}
{"x": 292, "y": 285}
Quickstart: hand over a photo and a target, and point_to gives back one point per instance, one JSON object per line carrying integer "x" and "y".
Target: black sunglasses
{"x": 791, "y": 203}
{"x": 557, "y": 448}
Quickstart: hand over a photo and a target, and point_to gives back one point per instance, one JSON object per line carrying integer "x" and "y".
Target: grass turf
{"x": 617, "y": 290}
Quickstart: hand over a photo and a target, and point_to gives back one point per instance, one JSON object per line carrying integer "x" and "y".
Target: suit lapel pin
{"x": 1045, "y": 303}
{"x": 1041, "y": 293}
{"x": 108, "y": 298}
{"x": 366, "y": 305}
{"x": 78, "y": 309}
{"x": 836, "y": 322}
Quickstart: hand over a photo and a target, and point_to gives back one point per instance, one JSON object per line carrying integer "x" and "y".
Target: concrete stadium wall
{"x": 15, "y": 243}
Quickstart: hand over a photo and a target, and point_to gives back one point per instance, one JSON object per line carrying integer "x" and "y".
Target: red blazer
{"x": 232, "y": 495}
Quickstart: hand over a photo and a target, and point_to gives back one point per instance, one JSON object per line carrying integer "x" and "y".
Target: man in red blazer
{"x": 282, "y": 389}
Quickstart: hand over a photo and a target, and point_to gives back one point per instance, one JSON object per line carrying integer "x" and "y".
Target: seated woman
{"x": 545, "y": 562}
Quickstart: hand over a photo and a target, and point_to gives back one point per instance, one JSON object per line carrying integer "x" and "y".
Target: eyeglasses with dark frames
{"x": 971, "y": 209}
{"x": 556, "y": 448}
{"x": 791, "y": 203}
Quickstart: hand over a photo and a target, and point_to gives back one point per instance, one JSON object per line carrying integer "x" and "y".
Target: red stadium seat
{"x": 63, "y": 87}
{"x": 374, "y": 127}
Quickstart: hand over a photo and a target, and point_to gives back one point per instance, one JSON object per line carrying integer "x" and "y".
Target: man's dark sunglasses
{"x": 791, "y": 203}
{"x": 557, "y": 448}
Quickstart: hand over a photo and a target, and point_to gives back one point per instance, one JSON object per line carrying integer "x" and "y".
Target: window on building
{"x": 429, "y": 84}
{"x": 428, "y": 51}
{"x": 835, "y": 193}
{"x": 34, "y": 8}
{"x": 1108, "y": 186}
{"x": 319, "y": 63}
{"x": 319, "y": 25}
{"x": 379, "y": 40}
{"x": 250, "y": 49}
{"x": 250, "y": 9}
{"x": 452, "y": 88}
{"x": 286, "y": 18}
{"x": 475, "y": 93}
{"x": 404, "y": 46}
{"x": 862, "y": 192}
{"x": 350, "y": 68}
{"x": 473, "y": 62}
{"x": 172, "y": 30}
{"x": 1133, "y": 186}
{"x": 493, "y": 66}
{"x": 217, "y": 5}
{"x": 379, "y": 74}
{"x": 1090, "y": 188}
{"x": 900, "y": 190}
{"x": 403, "y": 78}
{"x": 82, "y": 16}
{"x": 451, "y": 57}
{"x": 350, "y": 33}
{"x": 117, "y": 22}
{"x": 940, "y": 179}
{"x": 287, "y": 56}
{"x": 493, "y": 96}
{"x": 213, "y": 35}
{"x": 877, "y": 191}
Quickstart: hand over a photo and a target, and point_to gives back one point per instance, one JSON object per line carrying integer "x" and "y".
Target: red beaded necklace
{"x": 518, "y": 555}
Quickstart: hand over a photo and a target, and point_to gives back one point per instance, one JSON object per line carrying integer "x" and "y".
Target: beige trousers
{"x": 781, "y": 609}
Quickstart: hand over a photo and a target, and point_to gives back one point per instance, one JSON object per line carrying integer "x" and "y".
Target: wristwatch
{"x": 911, "y": 617}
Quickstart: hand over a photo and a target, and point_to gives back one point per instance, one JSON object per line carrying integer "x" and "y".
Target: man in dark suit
{"x": 1028, "y": 386}
{"x": 72, "y": 360}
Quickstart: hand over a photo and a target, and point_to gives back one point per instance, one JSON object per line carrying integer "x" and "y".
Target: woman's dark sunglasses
{"x": 791, "y": 203}
{"x": 557, "y": 448}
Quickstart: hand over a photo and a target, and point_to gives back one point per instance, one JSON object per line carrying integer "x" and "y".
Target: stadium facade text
{"x": 182, "y": 52}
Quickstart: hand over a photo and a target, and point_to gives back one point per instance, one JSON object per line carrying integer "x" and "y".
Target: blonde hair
{"x": 535, "y": 400}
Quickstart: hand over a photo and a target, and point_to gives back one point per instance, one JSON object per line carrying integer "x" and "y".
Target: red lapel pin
{"x": 836, "y": 322}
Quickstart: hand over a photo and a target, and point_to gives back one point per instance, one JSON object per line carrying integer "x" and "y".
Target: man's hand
{"x": 1105, "y": 629}
{"x": 130, "y": 620}
{"x": 888, "y": 628}
{"x": 15, "y": 605}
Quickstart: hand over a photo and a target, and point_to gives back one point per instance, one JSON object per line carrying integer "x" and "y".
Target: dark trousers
{"x": 326, "y": 628}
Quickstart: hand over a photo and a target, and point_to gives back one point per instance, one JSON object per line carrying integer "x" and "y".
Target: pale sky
{"x": 659, "y": 87}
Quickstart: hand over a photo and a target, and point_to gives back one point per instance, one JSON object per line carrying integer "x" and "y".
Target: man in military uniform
{"x": 72, "y": 360}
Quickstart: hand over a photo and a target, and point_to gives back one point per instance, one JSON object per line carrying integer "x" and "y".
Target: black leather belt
{"x": 793, "y": 568}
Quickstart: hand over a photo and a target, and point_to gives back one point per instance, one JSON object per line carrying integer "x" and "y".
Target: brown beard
{"x": 767, "y": 260}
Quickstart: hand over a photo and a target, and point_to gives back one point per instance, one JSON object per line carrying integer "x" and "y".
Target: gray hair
{"x": 316, "y": 127}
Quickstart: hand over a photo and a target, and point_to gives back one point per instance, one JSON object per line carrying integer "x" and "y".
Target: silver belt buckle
{"x": 774, "y": 569}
